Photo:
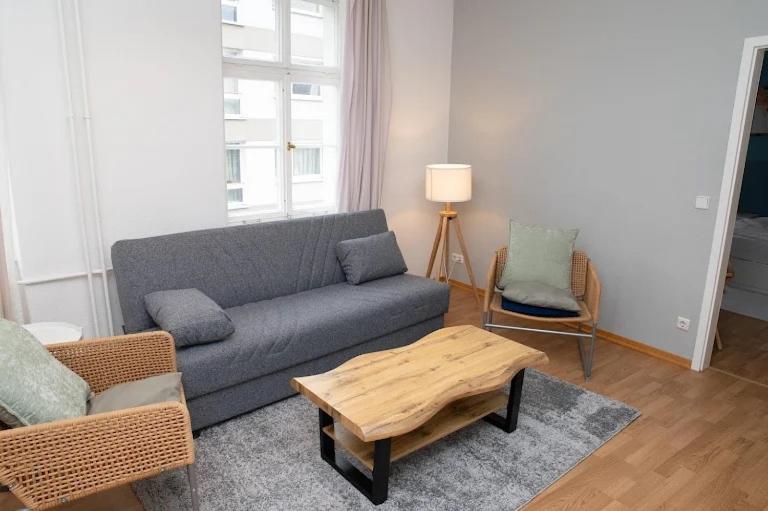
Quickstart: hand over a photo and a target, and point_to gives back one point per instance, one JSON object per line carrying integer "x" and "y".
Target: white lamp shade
{"x": 449, "y": 182}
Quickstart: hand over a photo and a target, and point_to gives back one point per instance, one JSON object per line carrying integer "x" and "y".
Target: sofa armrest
{"x": 106, "y": 362}
{"x": 52, "y": 463}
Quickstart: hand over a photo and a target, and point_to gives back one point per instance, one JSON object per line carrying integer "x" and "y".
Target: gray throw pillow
{"x": 370, "y": 258}
{"x": 34, "y": 386}
{"x": 541, "y": 295}
{"x": 189, "y": 316}
{"x": 149, "y": 391}
{"x": 539, "y": 254}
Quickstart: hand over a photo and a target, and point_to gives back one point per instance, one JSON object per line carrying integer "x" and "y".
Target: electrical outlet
{"x": 683, "y": 324}
{"x": 457, "y": 258}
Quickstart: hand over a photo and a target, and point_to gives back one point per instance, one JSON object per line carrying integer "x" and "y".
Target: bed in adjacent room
{"x": 749, "y": 254}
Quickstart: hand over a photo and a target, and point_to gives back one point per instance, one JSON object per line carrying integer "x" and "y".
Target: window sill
{"x": 308, "y": 179}
{"x": 255, "y": 218}
{"x": 309, "y": 14}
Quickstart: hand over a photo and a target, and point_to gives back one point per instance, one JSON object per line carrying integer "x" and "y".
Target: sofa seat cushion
{"x": 275, "y": 334}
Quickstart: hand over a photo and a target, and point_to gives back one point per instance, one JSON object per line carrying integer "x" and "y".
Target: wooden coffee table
{"x": 385, "y": 405}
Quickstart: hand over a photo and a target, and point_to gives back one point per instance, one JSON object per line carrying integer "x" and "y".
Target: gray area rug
{"x": 270, "y": 458}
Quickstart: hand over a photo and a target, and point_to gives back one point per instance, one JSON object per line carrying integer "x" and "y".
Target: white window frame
{"x": 285, "y": 73}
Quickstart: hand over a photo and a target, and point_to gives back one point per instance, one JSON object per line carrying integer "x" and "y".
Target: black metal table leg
{"x": 509, "y": 423}
{"x": 327, "y": 449}
{"x": 380, "y": 481}
{"x": 376, "y": 488}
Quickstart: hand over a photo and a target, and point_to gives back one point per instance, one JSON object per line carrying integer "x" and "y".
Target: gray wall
{"x": 609, "y": 116}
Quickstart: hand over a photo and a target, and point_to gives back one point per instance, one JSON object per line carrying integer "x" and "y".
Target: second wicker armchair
{"x": 585, "y": 286}
{"x": 49, "y": 464}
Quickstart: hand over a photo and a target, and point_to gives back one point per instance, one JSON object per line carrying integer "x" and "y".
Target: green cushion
{"x": 34, "y": 386}
{"x": 541, "y": 295}
{"x": 539, "y": 254}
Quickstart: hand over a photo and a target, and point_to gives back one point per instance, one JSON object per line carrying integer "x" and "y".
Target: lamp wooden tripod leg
{"x": 449, "y": 217}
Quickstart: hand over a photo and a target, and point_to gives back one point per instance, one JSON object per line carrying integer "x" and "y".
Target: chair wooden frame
{"x": 585, "y": 286}
{"x": 49, "y": 464}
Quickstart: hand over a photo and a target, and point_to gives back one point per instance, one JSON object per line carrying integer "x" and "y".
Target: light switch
{"x": 702, "y": 201}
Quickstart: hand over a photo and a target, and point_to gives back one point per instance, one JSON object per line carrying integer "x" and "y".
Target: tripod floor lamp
{"x": 447, "y": 183}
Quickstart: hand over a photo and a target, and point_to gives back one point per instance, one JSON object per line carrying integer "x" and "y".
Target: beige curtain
{"x": 365, "y": 105}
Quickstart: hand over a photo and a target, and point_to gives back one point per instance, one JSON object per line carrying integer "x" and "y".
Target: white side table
{"x": 50, "y": 332}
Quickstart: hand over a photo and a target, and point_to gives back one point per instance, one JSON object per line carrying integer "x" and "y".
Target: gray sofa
{"x": 283, "y": 288}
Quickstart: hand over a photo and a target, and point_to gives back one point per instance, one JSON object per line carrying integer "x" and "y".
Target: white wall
{"x": 420, "y": 48}
{"x": 154, "y": 77}
{"x": 609, "y": 116}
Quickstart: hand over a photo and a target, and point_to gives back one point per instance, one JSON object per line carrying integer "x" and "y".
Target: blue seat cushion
{"x": 272, "y": 335}
{"x": 533, "y": 310}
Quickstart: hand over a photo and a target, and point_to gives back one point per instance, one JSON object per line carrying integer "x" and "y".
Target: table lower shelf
{"x": 453, "y": 417}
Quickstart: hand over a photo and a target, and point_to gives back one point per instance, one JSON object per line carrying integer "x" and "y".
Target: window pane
{"x": 230, "y": 85}
{"x": 253, "y": 161}
{"x": 232, "y": 106}
{"x": 306, "y": 162}
{"x": 315, "y": 132}
{"x": 233, "y": 166}
{"x": 305, "y": 6}
{"x": 260, "y": 183}
{"x": 229, "y": 13}
{"x": 313, "y": 34}
{"x": 235, "y": 197}
{"x": 305, "y": 89}
{"x": 254, "y": 36}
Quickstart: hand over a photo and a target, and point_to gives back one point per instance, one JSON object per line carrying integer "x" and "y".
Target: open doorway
{"x": 741, "y": 338}
{"x": 740, "y": 254}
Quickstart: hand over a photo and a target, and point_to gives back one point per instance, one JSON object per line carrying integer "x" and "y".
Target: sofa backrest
{"x": 237, "y": 265}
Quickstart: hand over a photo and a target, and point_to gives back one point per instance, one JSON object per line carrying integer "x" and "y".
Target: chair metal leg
{"x": 192, "y": 477}
{"x": 488, "y": 320}
{"x": 591, "y": 356}
{"x": 587, "y": 354}
{"x": 582, "y": 357}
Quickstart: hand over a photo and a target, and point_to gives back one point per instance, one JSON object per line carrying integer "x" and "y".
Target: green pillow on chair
{"x": 34, "y": 386}
{"x": 539, "y": 254}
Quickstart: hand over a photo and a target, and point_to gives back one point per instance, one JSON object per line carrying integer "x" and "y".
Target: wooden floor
{"x": 745, "y": 347}
{"x": 701, "y": 443}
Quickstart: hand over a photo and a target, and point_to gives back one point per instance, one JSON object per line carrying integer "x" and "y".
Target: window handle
{"x": 291, "y": 145}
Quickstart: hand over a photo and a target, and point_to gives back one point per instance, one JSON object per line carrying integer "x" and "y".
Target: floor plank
{"x": 701, "y": 443}
{"x": 745, "y": 347}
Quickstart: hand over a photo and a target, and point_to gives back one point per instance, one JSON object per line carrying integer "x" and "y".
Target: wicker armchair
{"x": 49, "y": 464}
{"x": 585, "y": 286}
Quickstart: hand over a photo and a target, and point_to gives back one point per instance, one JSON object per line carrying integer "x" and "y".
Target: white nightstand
{"x": 50, "y": 332}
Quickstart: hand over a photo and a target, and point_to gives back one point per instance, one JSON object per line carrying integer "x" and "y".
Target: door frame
{"x": 738, "y": 139}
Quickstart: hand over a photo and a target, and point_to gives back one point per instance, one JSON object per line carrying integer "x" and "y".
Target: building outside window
{"x": 228, "y": 12}
{"x": 281, "y": 106}
{"x": 307, "y": 164}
